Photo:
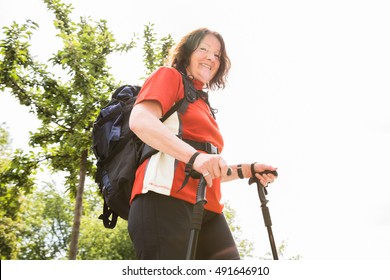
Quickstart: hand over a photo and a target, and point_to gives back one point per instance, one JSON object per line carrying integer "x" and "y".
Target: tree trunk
{"x": 74, "y": 242}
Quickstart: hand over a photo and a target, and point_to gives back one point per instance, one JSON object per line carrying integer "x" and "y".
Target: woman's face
{"x": 204, "y": 61}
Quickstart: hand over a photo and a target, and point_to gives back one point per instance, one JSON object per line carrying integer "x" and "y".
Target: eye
{"x": 217, "y": 56}
{"x": 203, "y": 49}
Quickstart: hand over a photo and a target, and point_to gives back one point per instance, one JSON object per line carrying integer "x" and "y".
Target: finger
{"x": 209, "y": 180}
{"x": 224, "y": 168}
{"x": 215, "y": 167}
{"x": 270, "y": 177}
{"x": 264, "y": 167}
{"x": 263, "y": 180}
{"x": 216, "y": 171}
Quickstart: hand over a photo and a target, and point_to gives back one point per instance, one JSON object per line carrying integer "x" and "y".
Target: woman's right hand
{"x": 210, "y": 166}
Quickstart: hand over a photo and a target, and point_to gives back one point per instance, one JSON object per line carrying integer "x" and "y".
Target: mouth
{"x": 206, "y": 66}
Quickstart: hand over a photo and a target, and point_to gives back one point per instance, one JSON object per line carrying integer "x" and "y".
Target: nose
{"x": 210, "y": 56}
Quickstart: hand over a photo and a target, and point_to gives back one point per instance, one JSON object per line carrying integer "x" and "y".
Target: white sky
{"x": 308, "y": 93}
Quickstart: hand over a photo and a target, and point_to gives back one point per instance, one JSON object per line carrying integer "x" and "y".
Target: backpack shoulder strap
{"x": 190, "y": 96}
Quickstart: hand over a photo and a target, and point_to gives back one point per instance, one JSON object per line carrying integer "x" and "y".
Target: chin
{"x": 204, "y": 79}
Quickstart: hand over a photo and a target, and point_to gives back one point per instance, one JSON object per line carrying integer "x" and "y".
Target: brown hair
{"x": 180, "y": 56}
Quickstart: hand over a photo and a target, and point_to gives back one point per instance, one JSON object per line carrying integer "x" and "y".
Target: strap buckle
{"x": 211, "y": 149}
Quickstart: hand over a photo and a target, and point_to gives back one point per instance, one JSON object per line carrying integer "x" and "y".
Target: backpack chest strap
{"x": 203, "y": 146}
{"x": 207, "y": 147}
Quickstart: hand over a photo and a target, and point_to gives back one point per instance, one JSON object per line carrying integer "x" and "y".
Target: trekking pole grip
{"x": 254, "y": 179}
{"x": 196, "y": 221}
{"x": 197, "y": 217}
{"x": 201, "y": 192}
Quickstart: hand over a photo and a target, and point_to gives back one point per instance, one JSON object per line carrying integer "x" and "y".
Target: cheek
{"x": 193, "y": 62}
{"x": 216, "y": 68}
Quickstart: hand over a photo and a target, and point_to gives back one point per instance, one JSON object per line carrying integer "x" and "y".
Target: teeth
{"x": 205, "y": 65}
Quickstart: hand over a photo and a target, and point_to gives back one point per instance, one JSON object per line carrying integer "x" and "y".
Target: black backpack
{"x": 119, "y": 151}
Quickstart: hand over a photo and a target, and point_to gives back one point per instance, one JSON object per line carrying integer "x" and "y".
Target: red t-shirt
{"x": 162, "y": 173}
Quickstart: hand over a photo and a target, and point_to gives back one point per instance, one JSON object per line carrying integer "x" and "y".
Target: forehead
{"x": 211, "y": 41}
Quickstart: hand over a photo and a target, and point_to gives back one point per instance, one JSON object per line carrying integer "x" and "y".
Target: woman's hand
{"x": 214, "y": 166}
{"x": 265, "y": 178}
{"x": 211, "y": 167}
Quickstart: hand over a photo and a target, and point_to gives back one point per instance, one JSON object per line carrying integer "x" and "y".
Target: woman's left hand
{"x": 265, "y": 178}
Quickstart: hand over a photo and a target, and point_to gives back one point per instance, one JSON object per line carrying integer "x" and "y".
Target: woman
{"x": 161, "y": 207}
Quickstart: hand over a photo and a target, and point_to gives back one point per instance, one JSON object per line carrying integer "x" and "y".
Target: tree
{"x": 66, "y": 109}
{"x": 40, "y": 229}
{"x": 245, "y": 247}
{"x": 7, "y": 234}
{"x": 98, "y": 242}
{"x": 104, "y": 244}
{"x": 66, "y": 105}
{"x": 155, "y": 52}
{"x": 47, "y": 219}
{"x": 15, "y": 181}
{"x": 281, "y": 253}
{"x": 47, "y": 222}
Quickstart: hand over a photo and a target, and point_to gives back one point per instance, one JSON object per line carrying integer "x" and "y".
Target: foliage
{"x": 245, "y": 247}
{"x": 155, "y": 52}
{"x": 281, "y": 253}
{"x": 96, "y": 241}
{"x": 14, "y": 183}
{"x": 4, "y": 148}
{"x": 46, "y": 227}
{"x": 47, "y": 219}
{"x": 41, "y": 229}
{"x": 99, "y": 243}
{"x": 66, "y": 105}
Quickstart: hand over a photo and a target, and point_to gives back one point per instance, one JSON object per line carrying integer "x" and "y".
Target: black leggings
{"x": 159, "y": 227}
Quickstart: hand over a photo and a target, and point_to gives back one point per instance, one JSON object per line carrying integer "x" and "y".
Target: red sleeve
{"x": 164, "y": 86}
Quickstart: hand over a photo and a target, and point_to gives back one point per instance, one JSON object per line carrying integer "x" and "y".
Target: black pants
{"x": 159, "y": 227}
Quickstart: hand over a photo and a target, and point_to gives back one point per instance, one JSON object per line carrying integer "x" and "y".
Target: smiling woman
{"x": 203, "y": 46}
{"x": 189, "y": 142}
{"x": 204, "y": 62}
{"x": 309, "y": 77}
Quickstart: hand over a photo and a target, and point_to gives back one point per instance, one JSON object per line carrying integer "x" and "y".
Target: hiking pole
{"x": 264, "y": 208}
{"x": 197, "y": 217}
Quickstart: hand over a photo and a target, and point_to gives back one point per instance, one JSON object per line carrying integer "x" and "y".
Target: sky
{"x": 308, "y": 92}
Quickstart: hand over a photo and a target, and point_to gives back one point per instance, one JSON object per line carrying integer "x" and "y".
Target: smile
{"x": 205, "y": 65}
